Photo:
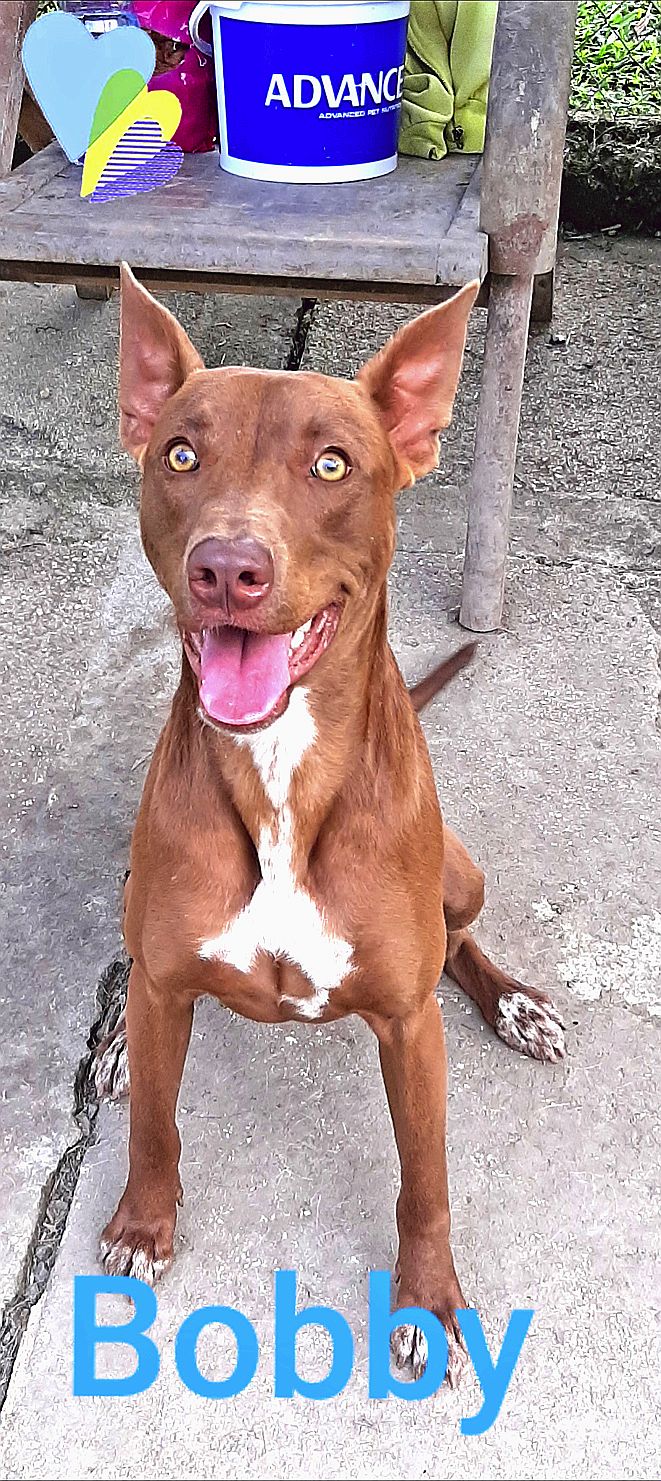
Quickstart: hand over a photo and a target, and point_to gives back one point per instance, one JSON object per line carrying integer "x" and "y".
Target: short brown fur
{"x": 369, "y": 846}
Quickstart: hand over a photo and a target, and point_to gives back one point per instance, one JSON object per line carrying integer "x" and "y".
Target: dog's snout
{"x": 230, "y": 575}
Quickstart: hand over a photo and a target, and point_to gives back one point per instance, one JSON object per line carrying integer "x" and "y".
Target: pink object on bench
{"x": 192, "y": 80}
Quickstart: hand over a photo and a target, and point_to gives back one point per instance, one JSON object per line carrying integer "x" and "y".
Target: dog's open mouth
{"x": 244, "y": 677}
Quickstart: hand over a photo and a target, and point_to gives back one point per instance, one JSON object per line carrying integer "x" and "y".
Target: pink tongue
{"x": 243, "y": 674}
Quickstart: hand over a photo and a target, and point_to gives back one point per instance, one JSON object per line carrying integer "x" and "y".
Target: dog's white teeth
{"x": 300, "y": 635}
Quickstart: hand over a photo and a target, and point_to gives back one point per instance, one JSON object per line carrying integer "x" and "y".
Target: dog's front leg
{"x": 139, "y": 1238}
{"x": 413, "y": 1062}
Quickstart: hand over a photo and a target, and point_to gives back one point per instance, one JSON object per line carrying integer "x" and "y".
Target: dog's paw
{"x": 111, "y": 1065}
{"x": 408, "y": 1348}
{"x": 142, "y": 1250}
{"x": 529, "y": 1022}
{"x": 138, "y": 1259}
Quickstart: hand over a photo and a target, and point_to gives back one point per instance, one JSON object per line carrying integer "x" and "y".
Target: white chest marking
{"x": 282, "y": 919}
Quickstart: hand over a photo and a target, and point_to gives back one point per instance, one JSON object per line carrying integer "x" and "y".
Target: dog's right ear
{"x": 413, "y": 381}
{"x": 155, "y": 358}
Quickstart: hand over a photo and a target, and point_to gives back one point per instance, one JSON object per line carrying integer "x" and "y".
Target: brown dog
{"x": 289, "y": 855}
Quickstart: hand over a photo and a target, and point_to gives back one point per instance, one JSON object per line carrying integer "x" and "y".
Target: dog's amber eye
{"x": 181, "y": 458}
{"x": 332, "y": 466}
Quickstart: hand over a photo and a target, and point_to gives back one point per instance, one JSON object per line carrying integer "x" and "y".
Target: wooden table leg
{"x": 519, "y": 201}
{"x": 542, "y": 298}
{"x": 15, "y": 17}
{"x": 490, "y": 497}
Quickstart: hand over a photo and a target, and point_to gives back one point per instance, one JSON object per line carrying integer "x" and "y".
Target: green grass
{"x": 617, "y": 60}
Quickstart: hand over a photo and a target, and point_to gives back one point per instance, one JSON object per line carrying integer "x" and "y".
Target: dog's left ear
{"x": 155, "y": 358}
{"x": 413, "y": 380}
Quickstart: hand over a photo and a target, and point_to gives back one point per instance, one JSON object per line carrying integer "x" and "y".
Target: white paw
{"x": 111, "y": 1068}
{"x": 408, "y": 1346}
{"x": 531, "y": 1025}
{"x": 138, "y": 1260}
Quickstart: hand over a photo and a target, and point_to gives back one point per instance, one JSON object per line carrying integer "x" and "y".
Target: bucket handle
{"x": 193, "y": 26}
{"x": 196, "y": 17}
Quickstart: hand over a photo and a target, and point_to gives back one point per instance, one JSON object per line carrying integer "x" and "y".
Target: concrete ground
{"x": 546, "y": 754}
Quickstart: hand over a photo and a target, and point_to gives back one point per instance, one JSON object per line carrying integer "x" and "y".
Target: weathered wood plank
{"x": 463, "y": 252}
{"x": 159, "y": 281}
{"x": 30, "y": 179}
{"x": 377, "y": 231}
{"x": 15, "y": 17}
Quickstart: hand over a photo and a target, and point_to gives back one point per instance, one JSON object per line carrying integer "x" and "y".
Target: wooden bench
{"x": 413, "y": 236}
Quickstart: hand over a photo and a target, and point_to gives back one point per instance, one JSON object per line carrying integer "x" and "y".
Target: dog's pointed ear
{"x": 155, "y": 358}
{"x": 413, "y": 380}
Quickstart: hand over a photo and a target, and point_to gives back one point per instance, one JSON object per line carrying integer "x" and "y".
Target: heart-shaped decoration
{"x": 162, "y": 109}
{"x": 68, "y": 70}
{"x": 141, "y": 160}
{"x": 119, "y": 92}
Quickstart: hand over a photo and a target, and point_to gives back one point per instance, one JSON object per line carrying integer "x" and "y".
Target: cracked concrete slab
{"x": 289, "y": 1163}
{"x": 88, "y": 662}
{"x": 547, "y": 759}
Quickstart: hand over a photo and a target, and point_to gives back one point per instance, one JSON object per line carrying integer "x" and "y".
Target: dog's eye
{"x": 331, "y": 465}
{"x": 181, "y": 458}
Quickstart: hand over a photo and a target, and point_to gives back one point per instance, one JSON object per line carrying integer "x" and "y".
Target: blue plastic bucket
{"x": 308, "y": 90}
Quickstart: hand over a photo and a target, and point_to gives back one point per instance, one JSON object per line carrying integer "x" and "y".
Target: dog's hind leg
{"x": 523, "y": 1017}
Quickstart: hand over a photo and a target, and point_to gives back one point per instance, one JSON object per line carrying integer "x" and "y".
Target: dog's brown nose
{"x": 230, "y": 575}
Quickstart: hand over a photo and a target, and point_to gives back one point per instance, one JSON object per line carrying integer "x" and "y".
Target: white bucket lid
{"x": 319, "y": 12}
{"x": 316, "y": 4}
